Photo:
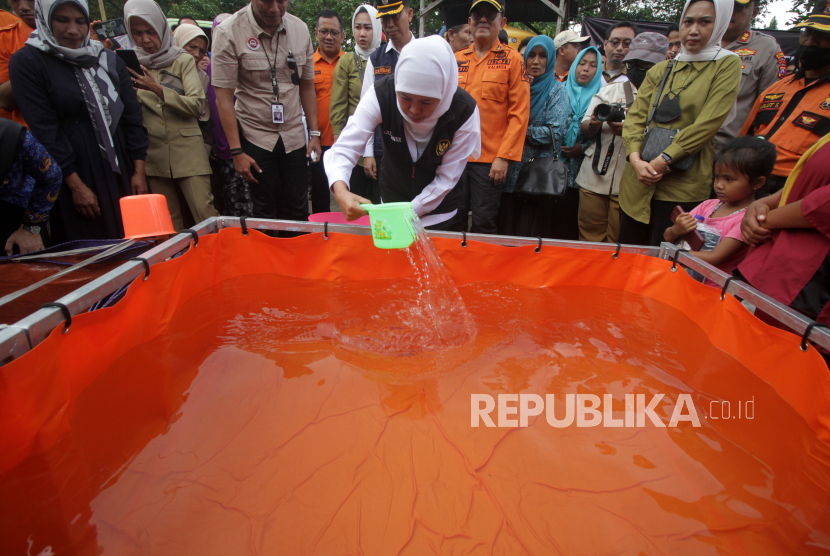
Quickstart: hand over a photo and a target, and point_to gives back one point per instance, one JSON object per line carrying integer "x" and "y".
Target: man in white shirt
{"x": 604, "y": 162}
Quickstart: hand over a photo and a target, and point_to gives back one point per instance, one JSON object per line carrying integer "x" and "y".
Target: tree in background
{"x": 773, "y": 24}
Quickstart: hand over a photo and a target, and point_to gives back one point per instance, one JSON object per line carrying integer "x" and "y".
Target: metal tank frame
{"x": 21, "y": 337}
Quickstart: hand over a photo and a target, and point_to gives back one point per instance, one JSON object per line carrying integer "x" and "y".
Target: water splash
{"x": 438, "y": 296}
{"x": 427, "y": 316}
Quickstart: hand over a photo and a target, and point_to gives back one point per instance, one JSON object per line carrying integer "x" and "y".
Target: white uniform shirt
{"x": 341, "y": 158}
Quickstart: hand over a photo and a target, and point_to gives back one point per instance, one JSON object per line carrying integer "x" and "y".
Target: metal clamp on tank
{"x": 68, "y": 316}
{"x": 146, "y": 264}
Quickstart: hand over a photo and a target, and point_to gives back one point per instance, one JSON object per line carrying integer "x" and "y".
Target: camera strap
{"x": 629, "y": 100}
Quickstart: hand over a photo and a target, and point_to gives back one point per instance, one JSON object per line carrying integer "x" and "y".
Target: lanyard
{"x": 273, "y": 67}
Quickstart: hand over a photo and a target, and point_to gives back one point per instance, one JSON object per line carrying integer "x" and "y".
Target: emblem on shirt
{"x": 463, "y": 66}
{"x": 500, "y": 54}
{"x": 746, "y": 52}
{"x": 383, "y": 70}
{"x": 825, "y": 105}
{"x": 782, "y": 65}
{"x": 745, "y": 37}
{"x": 443, "y": 146}
{"x": 809, "y": 120}
{"x": 253, "y": 43}
{"x": 392, "y": 137}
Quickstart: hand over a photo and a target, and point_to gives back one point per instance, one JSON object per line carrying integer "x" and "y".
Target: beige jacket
{"x": 176, "y": 146}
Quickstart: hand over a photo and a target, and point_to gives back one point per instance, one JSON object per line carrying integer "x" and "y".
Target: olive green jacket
{"x": 705, "y": 105}
{"x": 345, "y": 93}
{"x": 176, "y": 145}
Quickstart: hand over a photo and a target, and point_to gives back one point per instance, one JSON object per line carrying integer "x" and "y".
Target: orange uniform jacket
{"x": 323, "y": 76}
{"x": 12, "y": 39}
{"x": 793, "y": 116}
{"x": 501, "y": 89}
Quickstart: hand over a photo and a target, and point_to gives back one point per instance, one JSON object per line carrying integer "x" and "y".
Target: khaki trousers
{"x": 196, "y": 191}
{"x": 599, "y": 217}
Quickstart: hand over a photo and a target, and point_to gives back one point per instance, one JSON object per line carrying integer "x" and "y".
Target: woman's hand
{"x": 86, "y": 202}
{"x": 572, "y": 152}
{"x": 370, "y": 167}
{"x": 26, "y": 242}
{"x": 94, "y": 35}
{"x": 138, "y": 183}
{"x": 752, "y": 226}
{"x": 645, "y": 172}
{"x": 147, "y": 82}
{"x": 660, "y": 165}
{"x": 348, "y": 201}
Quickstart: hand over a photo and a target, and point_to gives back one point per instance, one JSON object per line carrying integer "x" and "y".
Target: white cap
{"x": 567, "y": 36}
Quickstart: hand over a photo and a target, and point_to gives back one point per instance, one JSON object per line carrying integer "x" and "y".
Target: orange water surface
{"x": 309, "y": 417}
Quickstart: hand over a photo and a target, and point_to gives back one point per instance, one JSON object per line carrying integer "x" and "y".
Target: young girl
{"x": 741, "y": 168}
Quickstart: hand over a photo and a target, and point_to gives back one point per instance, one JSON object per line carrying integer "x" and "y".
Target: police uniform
{"x": 763, "y": 63}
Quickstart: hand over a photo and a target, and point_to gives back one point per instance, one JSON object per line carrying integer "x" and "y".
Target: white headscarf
{"x": 713, "y": 49}
{"x": 95, "y": 70}
{"x": 43, "y": 39}
{"x": 427, "y": 67}
{"x": 185, "y": 33}
{"x": 376, "y": 30}
{"x": 150, "y": 12}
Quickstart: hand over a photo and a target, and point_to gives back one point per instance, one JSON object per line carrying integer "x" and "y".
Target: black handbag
{"x": 543, "y": 176}
{"x": 658, "y": 139}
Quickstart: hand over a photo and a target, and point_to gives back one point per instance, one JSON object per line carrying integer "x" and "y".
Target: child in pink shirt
{"x": 741, "y": 168}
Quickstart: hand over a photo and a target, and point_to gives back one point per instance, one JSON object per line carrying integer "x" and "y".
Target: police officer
{"x": 762, "y": 60}
{"x": 794, "y": 112}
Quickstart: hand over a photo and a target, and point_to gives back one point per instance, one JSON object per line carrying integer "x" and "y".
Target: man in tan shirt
{"x": 264, "y": 56}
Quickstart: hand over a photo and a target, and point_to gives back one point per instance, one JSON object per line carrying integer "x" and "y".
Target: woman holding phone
{"x": 172, "y": 100}
{"x": 77, "y": 100}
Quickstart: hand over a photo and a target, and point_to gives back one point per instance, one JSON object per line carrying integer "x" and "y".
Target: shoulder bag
{"x": 658, "y": 139}
{"x": 543, "y": 176}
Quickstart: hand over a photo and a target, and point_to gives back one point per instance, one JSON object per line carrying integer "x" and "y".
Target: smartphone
{"x": 694, "y": 238}
{"x": 130, "y": 58}
{"x": 111, "y": 28}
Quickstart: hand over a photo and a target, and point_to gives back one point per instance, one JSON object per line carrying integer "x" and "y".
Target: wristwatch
{"x": 314, "y": 133}
{"x": 666, "y": 157}
{"x": 34, "y": 230}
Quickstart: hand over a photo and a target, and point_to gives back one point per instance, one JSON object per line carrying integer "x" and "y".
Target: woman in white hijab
{"x": 172, "y": 100}
{"x": 77, "y": 100}
{"x": 430, "y": 127}
{"x": 195, "y": 42}
{"x": 699, "y": 93}
{"x": 347, "y": 83}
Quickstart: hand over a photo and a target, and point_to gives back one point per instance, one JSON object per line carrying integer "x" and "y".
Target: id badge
{"x": 277, "y": 113}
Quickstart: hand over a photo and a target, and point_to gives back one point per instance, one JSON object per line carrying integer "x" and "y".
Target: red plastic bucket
{"x": 146, "y": 216}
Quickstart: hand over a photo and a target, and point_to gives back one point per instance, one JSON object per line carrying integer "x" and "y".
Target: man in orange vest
{"x": 495, "y": 77}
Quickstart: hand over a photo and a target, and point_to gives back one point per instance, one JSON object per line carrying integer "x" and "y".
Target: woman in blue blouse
{"x": 584, "y": 81}
{"x": 522, "y": 215}
{"x": 29, "y": 183}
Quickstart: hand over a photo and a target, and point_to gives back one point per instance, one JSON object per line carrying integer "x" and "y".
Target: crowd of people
{"x": 701, "y": 132}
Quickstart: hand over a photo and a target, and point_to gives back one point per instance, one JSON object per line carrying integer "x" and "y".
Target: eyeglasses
{"x": 329, "y": 32}
{"x": 616, "y": 42}
{"x": 489, "y": 15}
{"x": 645, "y": 66}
